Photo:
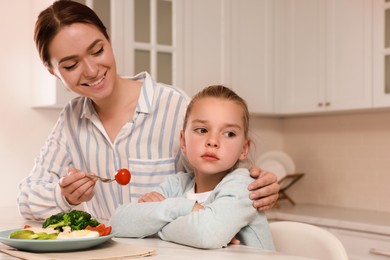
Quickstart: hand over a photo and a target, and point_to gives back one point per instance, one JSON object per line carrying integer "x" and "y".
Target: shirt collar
{"x": 145, "y": 99}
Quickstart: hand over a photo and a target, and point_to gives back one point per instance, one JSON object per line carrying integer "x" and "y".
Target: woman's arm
{"x": 39, "y": 193}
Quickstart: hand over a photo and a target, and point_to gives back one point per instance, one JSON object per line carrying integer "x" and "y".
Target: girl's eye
{"x": 200, "y": 130}
{"x": 229, "y": 134}
{"x": 71, "y": 66}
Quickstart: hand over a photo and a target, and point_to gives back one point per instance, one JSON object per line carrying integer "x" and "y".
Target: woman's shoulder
{"x": 78, "y": 107}
{"x": 172, "y": 90}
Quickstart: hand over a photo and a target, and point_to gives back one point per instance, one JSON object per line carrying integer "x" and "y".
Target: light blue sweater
{"x": 227, "y": 213}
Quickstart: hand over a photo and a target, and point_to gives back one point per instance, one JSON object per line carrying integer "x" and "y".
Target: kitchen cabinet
{"x": 381, "y": 66}
{"x": 152, "y": 38}
{"x": 251, "y": 45}
{"x": 205, "y": 52}
{"x": 364, "y": 234}
{"x": 363, "y": 245}
{"x": 323, "y": 55}
{"x": 230, "y": 42}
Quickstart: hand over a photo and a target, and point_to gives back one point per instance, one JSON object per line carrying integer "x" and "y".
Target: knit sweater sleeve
{"x": 145, "y": 219}
{"x": 226, "y": 212}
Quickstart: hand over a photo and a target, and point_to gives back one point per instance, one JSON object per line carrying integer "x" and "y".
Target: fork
{"x": 100, "y": 178}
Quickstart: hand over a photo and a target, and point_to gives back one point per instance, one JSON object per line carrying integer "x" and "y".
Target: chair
{"x": 306, "y": 240}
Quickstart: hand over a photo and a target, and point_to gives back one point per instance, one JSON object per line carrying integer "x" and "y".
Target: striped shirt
{"x": 148, "y": 145}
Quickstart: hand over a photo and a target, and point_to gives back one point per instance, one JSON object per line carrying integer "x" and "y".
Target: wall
{"x": 23, "y": 130}
{"x": 346, "y": 159}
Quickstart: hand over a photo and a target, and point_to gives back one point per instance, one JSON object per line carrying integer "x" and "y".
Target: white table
{"x": 10, "y": 219}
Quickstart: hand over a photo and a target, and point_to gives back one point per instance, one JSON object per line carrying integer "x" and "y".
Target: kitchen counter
{"x": 333, "y": 217}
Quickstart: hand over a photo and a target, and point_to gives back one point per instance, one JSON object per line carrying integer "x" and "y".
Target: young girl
{"x": 209, "y": 206}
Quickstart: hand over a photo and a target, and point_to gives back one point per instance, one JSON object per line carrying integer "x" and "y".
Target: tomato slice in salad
{"x": 101, "y": 229}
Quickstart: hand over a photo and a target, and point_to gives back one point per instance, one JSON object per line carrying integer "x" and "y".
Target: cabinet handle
{"x": 320, "y": 104}
{"x": 376, "y": 251}
{"x": 327, "y": 104}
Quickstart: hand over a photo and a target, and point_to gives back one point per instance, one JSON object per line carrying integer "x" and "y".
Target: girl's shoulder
{"x": 239, "y": 175}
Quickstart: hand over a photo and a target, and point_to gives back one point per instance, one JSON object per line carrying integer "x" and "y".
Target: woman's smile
{"x": 95, "y": 83}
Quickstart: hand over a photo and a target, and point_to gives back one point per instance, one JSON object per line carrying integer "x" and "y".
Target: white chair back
{"x": 306, "y": 240}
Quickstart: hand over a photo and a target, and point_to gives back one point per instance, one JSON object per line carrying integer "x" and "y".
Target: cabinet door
{"x": 362, "y": 245}
{"x": 251, "y": 52}
{"x": 323, "y": 57}
{"x": 381, "y": 53}
{"x": 299, "y": 62}
{"x": 349, "y": 54}
{"x": 204, "y": 44}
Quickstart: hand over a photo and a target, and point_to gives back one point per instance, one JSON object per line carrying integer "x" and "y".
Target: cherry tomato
{"x": 123, "y": 176}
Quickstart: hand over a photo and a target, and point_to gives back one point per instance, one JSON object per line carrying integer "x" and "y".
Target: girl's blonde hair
{"x": 221, "y": 92}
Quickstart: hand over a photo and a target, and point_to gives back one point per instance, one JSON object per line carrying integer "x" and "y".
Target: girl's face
{"x": 214, "y": 138}
{"x": 82, "y": 58}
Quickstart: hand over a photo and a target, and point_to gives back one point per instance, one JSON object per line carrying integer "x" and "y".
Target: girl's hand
{"x": 76, "y": 187}
{"x": 264, "y": 190}
{"x": 197, "y": 207}
{"x": 151, "y": 197}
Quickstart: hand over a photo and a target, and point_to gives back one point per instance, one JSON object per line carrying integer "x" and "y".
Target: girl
{"x": 207, "y": 207}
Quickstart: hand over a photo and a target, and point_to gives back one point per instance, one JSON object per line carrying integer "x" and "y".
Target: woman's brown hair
{"x": 62, "y": 13}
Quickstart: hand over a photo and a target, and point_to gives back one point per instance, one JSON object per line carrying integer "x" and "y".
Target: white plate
{"x": 279, "y": 156}
{"x": 273, "y": 166}
{"x": 51, "y": 245}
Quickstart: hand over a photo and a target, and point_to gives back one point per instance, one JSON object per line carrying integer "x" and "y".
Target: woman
{"x": 116, "y": 123}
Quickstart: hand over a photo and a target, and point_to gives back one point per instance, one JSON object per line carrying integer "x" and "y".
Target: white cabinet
{"x": 230, "y": 42}
{"x": 349, "y": 54}
{"x": 323, "y": 55}
{"x": 251, "y": 45}
{"x": 204, "y": 50}
{"x": 299, "y": 64}
{"x": 381, "y": 64}
{"x": 362, "y": 245}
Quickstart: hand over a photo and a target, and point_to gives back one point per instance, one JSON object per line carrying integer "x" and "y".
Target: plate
{"x": 51, "y": 245}
{"x": 279, "y": 156}
{"x": 273, "y": 166}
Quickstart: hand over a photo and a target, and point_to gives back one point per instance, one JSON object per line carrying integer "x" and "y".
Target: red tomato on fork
{"x": 123, "y": 176}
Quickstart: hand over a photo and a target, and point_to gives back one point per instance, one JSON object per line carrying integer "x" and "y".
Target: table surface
{"x": 10, "y": 219}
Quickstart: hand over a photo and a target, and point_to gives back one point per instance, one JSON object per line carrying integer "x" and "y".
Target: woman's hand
{"x": 264, "y": 190}
{"x": 151, "y": 197}
{"x": 76, "y": 187}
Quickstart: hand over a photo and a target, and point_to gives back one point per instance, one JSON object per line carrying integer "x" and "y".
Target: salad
{"x": 67, "y": 225}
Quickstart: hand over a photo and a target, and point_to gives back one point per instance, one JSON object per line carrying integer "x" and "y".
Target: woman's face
{"x": 82, "y": 58}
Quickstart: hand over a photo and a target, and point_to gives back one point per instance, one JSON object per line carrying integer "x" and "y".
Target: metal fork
{"x": 101, "y": 178}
